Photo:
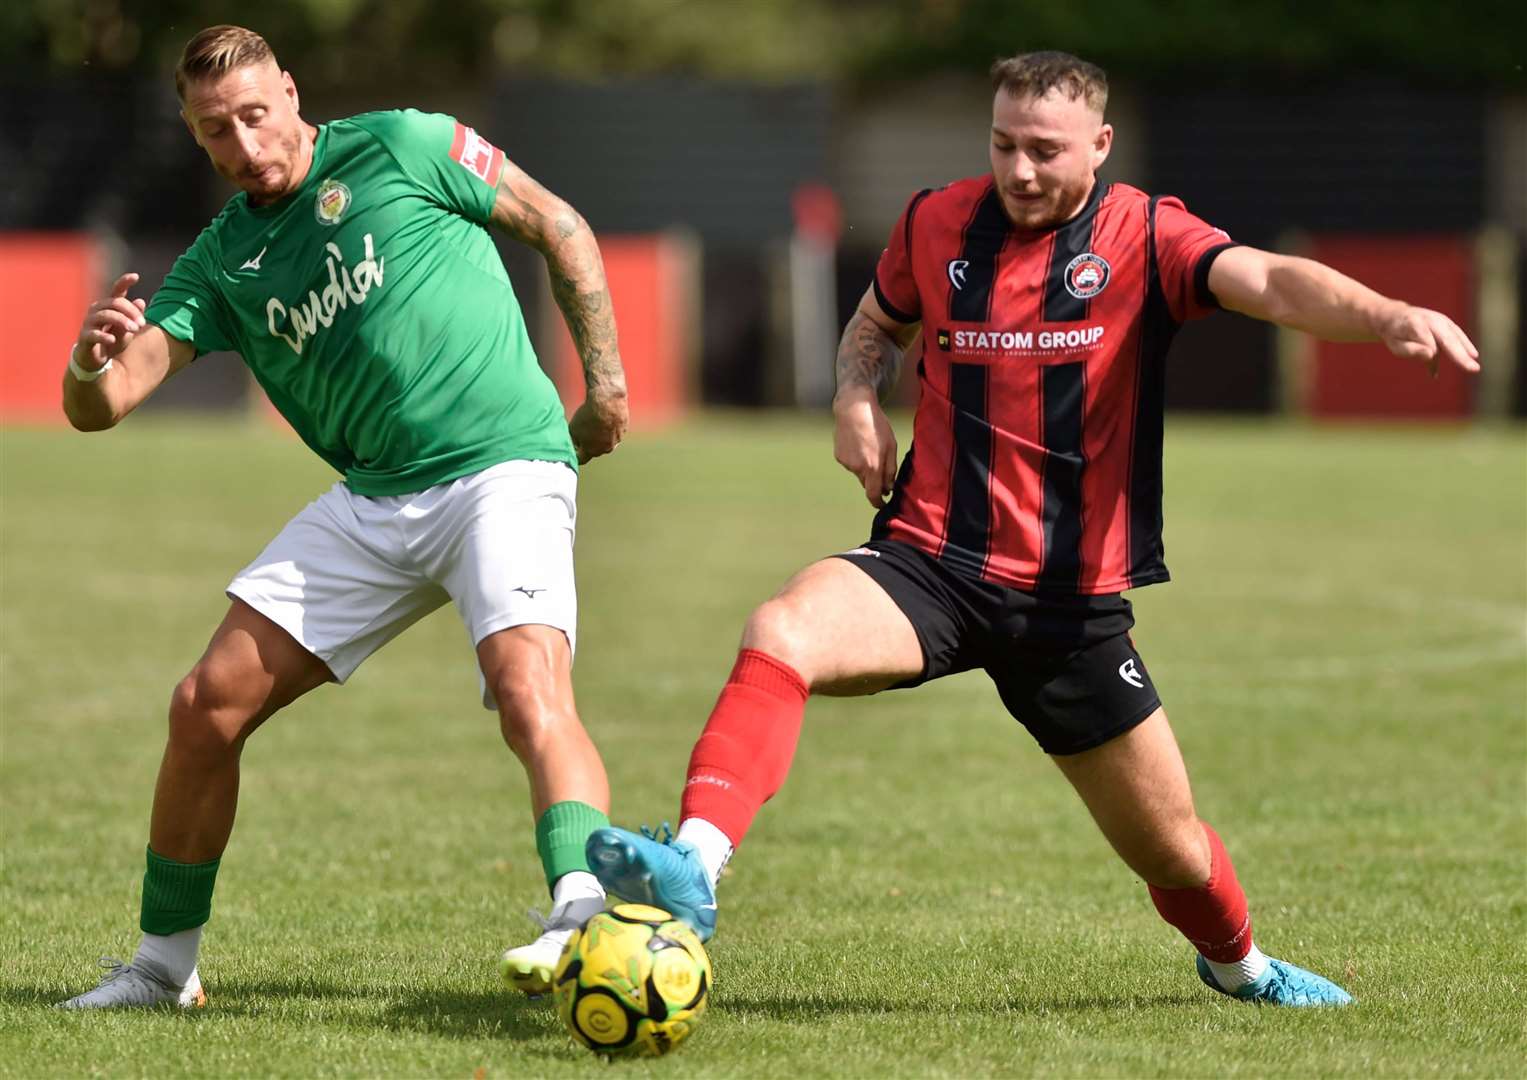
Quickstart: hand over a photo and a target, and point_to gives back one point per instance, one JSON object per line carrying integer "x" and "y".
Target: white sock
{"x": 575, "y": 899}
{"x": 1248, "y": 969}
{"x": 576, "y": 885}
{"x": 714, "y": 847}
{"x": 172, "y": 954}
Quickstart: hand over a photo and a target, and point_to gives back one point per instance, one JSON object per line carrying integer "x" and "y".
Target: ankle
{"x": 714, "y": 846}
{"x": 1238, "y": 973}
{"x": 170, "y": 955}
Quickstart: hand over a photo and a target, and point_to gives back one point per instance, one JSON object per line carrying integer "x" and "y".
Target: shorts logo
{"x": 943, "y": 339}
{"x": 476, "y": 154}
{"x": 863, "y": 551}
{"x": 331, "y": 203}
{"x": 1130, "y": 674}
{"x": 1087, "y": 275}
{"x": 957, "y": 268}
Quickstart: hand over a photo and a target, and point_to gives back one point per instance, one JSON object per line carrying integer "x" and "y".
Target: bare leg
{"x": 529, "y": 670}
{"x": 839, "y": 629}
{"x": 250, "y": 669}
{"x": 831, "y": 630}
{"x": 1136, "y": 789}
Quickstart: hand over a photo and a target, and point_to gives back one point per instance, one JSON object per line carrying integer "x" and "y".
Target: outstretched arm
{"x": 1310, "y": 296}
{"x": 869, "y": 360}
{"x": 531, "y": 214}
{"x": 127, "y": 356}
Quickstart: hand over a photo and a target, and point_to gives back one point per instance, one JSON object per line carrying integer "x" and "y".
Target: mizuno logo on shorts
{"x": 1130, "y": 674}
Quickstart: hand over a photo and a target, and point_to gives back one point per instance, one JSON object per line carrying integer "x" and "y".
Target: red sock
{"x": 744, "y": 753}
{"x": 1212, "y": 917}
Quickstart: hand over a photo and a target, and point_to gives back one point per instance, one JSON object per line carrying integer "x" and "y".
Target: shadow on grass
{"x": 491, "y": 1014}
{"x": 501, "y": 1014}
{"x": 30, "y": 996}
{"x": 795, "y": 1009}
{"x": 486, "y": 1014}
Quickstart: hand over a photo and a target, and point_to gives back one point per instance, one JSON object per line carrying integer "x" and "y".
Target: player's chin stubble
{"x": 286, "y": 167}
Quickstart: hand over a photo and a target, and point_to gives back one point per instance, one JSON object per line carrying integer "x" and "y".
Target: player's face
{"x": 248, "y": 124}
{"x": 1045, "y": 152}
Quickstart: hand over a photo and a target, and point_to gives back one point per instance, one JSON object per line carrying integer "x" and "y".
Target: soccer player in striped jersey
{"x": 1029, "y": 500}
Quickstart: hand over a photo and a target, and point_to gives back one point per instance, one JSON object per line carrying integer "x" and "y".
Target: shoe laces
{"x": 557, "y": 919}
{"x": 116, "y": 969}
{"x": 651, "y": 834}
{"x": 113, "y": 967}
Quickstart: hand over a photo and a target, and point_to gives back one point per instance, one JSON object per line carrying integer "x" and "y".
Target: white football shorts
{"x": 351, "y": 572}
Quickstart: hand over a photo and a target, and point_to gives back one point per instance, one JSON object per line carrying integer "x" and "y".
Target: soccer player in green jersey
{"x": 354, "y": 273}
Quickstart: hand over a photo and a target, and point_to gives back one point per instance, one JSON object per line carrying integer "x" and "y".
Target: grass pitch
{"x": 1342, "y": 656}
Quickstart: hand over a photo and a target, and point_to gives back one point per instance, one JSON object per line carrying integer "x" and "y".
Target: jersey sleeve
{"x": 457, "y": 167}
{"x": 188, "y": 305}
{"x": 1186, "y": 246}
{"x": 895, "y": 285}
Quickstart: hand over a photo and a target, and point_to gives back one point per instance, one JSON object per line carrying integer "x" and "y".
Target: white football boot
{"x": 137, "y": 986}
{"x": 529, "y": 967}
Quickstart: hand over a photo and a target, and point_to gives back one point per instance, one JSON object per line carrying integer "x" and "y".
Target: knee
{"x": 775, "y": 628}
{"x": 530, "y": 713}
{"x": 206, "y": 719}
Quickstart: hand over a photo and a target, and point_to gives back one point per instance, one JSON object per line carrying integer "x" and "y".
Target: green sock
{"x": 561, "y": 835}
{"x": 176, "y": 896}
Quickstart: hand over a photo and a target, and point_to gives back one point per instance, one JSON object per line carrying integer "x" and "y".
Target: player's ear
{"x": 289, "y": 85}
{"x": 1102, "y": 143}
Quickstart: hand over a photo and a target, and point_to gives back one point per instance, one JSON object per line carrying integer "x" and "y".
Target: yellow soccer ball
{"x": 632, "y": 982}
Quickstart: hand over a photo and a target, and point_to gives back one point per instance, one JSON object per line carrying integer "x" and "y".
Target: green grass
{"x": 1342, "y": 655}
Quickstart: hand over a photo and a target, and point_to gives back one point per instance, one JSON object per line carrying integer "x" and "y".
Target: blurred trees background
{"x": 1483, "y": 43}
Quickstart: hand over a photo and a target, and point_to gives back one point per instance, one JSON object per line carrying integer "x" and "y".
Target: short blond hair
{"x": 1035, "y": 74}
{"x": 216, "y": 51}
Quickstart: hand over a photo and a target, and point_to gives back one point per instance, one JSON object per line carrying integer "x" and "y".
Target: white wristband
{"x": 84, "y": 374}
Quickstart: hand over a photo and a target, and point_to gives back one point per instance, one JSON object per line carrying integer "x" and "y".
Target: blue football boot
{"x": 1282, "y": 984}
{"x": 664, "y": 873}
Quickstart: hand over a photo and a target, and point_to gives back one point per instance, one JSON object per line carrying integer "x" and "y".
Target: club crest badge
{"x": 332, "y": 201}
{"x": 1087, "y": 275}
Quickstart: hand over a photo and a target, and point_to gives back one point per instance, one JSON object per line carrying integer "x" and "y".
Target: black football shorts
{"x": 1064, "y": 665}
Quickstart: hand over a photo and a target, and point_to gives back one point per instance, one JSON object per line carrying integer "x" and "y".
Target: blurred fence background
{"x": 743, "y": 161}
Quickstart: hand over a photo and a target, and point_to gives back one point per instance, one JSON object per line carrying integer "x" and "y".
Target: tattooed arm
{"x": 531, "y": 214}
{"x": 869, "y": 360}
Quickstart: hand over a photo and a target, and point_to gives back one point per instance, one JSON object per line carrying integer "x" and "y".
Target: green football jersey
{"x": 373, "y": 308}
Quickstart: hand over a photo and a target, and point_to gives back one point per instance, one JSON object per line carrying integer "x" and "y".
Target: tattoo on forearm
{"x": 578, "y": 285}
{"x": 868, "y": 356}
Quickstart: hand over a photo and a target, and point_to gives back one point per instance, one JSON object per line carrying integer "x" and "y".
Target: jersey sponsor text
{"x": 344, "y": 288}
{"x": 1018, "y": 340}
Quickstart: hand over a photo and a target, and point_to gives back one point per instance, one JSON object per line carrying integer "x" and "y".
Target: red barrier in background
{"x": 652, "y": 281}
{"x": 1366, "y": 380}
{"x": 46, "y": 282}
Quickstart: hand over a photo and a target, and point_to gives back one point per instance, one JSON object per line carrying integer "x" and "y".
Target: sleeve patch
{"x": 476, "y": 154}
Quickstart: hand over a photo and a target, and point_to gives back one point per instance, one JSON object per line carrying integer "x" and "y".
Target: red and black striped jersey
{"x": 1035, "y": 460}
